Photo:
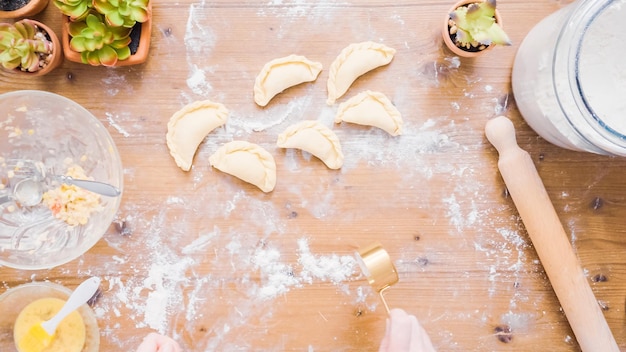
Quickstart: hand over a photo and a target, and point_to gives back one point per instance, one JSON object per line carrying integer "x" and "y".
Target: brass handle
{"x": 378, "y": 268}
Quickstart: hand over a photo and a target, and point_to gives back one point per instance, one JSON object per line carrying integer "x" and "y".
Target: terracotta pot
{"x": 138, "y": 57}
{"x": 31, "y": 9}
{"x": 446, "y": 32}
{"x": 56, "y": 57}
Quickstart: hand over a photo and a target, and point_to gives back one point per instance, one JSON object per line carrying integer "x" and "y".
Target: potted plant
{"x": 21, "y": 8}
{"x": 29, "y": 46}
{"x": 473, "y": 26}
{"x": 106, "y": 32}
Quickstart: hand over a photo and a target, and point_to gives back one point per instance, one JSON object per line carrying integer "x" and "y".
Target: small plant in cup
{"x": 474, "y": 26}
{"x": 28, "y": 46}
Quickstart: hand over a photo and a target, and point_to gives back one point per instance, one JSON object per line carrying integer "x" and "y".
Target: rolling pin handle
{"x": 501, "y": 134}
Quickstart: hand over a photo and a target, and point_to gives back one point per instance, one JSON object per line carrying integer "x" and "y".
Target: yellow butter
{"x": 70, "y": 334}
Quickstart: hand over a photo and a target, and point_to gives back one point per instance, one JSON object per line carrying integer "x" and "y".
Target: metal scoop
{"x": 378, "y": 268}
{"x": 28, "y": 191}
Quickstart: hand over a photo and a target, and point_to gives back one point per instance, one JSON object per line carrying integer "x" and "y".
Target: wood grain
{"x": 434, "y": 197}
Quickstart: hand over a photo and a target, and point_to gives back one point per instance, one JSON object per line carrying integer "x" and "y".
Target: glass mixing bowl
{"x": 14, "y": 300}
{"x": 55, "y": 132}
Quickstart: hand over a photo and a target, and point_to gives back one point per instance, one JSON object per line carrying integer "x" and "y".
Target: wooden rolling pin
{"x": 550, "y": 240}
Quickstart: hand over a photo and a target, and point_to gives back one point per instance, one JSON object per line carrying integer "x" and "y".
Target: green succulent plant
{"x": 75, "y": 9}
{"x": 23, "y": 46}
{"x": 123, "y": 13}
{"x": 98, "y": 42}
{"x": 474, "y": 25}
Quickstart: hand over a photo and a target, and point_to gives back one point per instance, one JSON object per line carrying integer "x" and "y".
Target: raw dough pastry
{"x": 315, "y": 138}
{"x": 189, "y": 126}
{"x": 247, "y": 161}
{"x": 371, "y": 109}
{"x": 353, "y": 61}
{"x": 70, "y": 334}
{"x": 280, "y": 74}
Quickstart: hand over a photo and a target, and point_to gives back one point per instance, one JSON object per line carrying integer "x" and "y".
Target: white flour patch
{"x": 201, "y": 243}
{"x": 460, "y": 217}
{"x": 199, "y": 43}
{"x": 199, "y": 38}
{"x": 114, "y": 82}
{"x": 292, "y": 10}
{"x": 377, "y": 148}
{"x": 197, "y": 81}
{"x": 271, "y": 119}
{"x": 163, "y": 286}
{"x": 111, "y": 119}
{"x": 519, "y": 323}
{"x": 278, "y": 277}
{"x": 398, "y": 19}
{"x": 324, "y": 268}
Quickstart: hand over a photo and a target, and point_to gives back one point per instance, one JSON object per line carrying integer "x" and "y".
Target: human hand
{"x": 154, "y": 342}
{"x": 405, "y": 334}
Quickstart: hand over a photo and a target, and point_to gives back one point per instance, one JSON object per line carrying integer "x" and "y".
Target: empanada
{"x": 248, "y": 162}
{"x": 353, "y": 61}
{"x": 315, "y": 138}
{"x": 371, "y": 109}
{"x": 280, "y": 74}
{"x": 189, "y": 126}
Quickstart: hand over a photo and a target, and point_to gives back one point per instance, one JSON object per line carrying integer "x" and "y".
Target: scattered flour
{"x": 199, "y": 43}
{"x": 114, "y": 82}
{"x": 112, "y": 122}
{"x": 175, "y": 285}
{"x": 169, "y": 282}
{"x": 197, "y": 81}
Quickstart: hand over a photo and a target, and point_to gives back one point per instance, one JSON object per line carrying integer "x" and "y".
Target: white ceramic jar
{"x": 569, "y": 79}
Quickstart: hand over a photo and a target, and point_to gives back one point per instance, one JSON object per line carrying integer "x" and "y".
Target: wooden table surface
{"x": 219, "y": 265}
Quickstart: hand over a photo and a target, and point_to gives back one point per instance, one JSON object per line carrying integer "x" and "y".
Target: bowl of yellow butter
{"x": 30, "y": 304}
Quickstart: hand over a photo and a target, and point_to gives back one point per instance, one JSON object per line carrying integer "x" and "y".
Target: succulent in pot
{"x": 97, "y": 42}
{"x": 123, "y": 13}
{"x": 29, "y": 46}
{"x": 21, "y": 8}
{"x": 110, "y": 33}
{"x": 472, "y": 26}
{"x": 76, "y": 10}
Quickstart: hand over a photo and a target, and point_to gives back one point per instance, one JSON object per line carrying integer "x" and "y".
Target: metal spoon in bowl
{"x": 29, "y": 191}
{"x": 101, "y": 188}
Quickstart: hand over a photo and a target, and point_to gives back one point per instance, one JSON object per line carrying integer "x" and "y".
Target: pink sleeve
{"x": 154, "y": 342}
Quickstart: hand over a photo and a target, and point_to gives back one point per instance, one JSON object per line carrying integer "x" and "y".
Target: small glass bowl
{"x": 50, "y": 129}
{"x": 14, "y": 300}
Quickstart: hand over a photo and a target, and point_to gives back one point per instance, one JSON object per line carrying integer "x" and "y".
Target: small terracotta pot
{"x": 56, "y": 57}
{"x": 446, "y": 32}
{"x": 135, "y": 59}
{"x": 31, "y": 9}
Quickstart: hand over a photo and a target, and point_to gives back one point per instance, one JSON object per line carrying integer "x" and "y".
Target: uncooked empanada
{"x": 315, "y": 138}
{"x": 280, "y": 74}
{"x": 247, "y": 161}
{"x": 353, "y": 61}
{"x": 371, "y": 109}
{"x": 189, "y": 126}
